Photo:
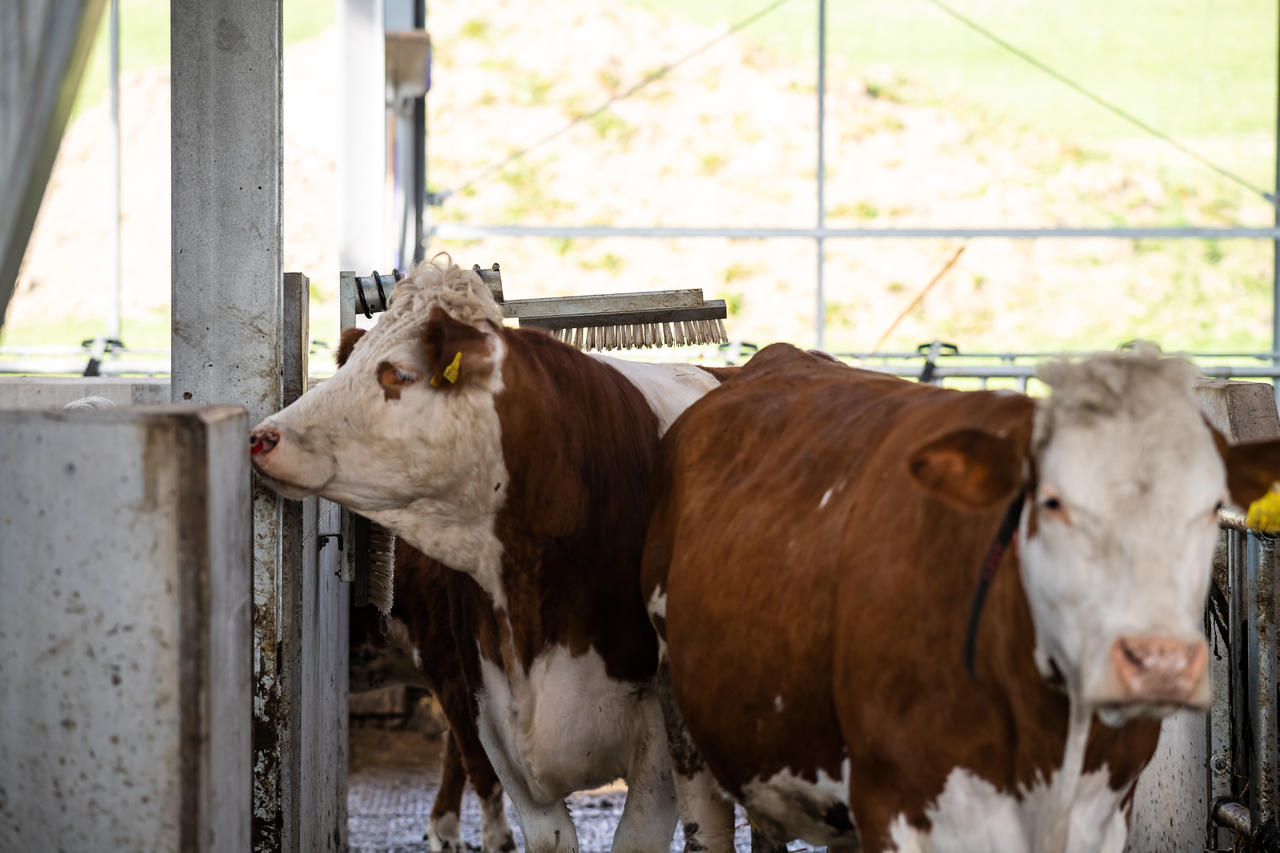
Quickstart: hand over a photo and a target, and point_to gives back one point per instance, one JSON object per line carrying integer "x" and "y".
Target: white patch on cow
{"x": 669, "y": 389}
{"x": 495, "y": 832}
{"x": 826, "y": 496}
{"x": 658, "y": 610}
{"x": 971, "y": 814}
{"x": 778, "y": 704}
{"x": 565, "y": 726}
{"x": 790, "y": 801}
{"x": 658, "y": 603}
{"x": 1122, "y": 449}
{"x": 444, "y": 833}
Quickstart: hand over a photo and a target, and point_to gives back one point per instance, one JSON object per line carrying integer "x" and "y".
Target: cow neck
{"x": 579, "y": 444}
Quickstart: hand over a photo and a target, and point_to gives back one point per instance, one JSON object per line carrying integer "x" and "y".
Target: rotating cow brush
{"x": 613, "y": 321}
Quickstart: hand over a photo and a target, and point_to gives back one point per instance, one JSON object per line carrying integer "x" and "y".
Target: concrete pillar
{"x": 125, "y": 630}
{"x": 229, "y": 331}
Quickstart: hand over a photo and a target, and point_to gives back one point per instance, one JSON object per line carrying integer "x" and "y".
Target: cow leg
{"x": 443, "y": 829}
{"x": 495, "y": 831}
{"x": 649, "y": 817}
{"x": 546, "y": 829}
{"x": 705, "y": 810}
{"x": 762, "y": 843}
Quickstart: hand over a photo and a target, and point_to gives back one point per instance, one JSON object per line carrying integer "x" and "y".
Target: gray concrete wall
{"x": 40, "y": 392}
{"x": 124, "y": 630}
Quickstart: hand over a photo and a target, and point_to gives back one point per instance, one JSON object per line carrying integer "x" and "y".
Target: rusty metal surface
{"x": 1263, "y": 623}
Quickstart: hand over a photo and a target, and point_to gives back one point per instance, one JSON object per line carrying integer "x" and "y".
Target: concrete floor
{"x": 393, "y": 778}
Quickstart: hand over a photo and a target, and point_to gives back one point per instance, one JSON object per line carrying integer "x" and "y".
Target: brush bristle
{"x": 681, "y": 333}
{"x": 382, "y": 568}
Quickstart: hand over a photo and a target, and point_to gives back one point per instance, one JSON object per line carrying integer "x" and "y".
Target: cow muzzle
{"x": 1161, "y": 671}
{"x": 262, "y": 441}
{"x": 287, "y": 466}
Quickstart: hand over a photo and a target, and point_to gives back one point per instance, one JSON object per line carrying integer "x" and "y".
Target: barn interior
{"x": 254, "y": 611}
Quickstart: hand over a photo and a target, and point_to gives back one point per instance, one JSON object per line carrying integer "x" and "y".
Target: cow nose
{"x": 263, "y": 440}
{"x": 1160, "y": 669}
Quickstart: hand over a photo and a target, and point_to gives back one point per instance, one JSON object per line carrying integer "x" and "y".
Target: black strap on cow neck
{"x": 995, "y": 553}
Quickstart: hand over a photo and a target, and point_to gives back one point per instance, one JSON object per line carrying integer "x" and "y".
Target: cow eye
{"x": 1052, "y": 504}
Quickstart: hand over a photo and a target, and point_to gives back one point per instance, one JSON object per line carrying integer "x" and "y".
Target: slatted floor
{"x": 393, "y": 779}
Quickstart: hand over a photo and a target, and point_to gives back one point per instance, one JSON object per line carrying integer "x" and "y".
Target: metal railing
{"x": 821, "y": 233}
{"x": 1243, "y": 735}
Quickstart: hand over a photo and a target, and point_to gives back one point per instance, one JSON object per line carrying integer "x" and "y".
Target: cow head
{"x": 408, "y": 423}
{"x": 1123, "y": 480}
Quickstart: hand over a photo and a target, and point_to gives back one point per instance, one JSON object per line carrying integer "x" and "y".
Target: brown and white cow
{"x": 817, "y": 542}
{"x": 514, "y": 458}
{"x": 414, "y": 645}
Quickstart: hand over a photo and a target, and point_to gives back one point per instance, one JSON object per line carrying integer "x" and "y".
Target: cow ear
{"x": 1251, "y": 469}
{"x": 970, "y": 468}
{"x": 346, "y": 343}
{"x": 457, "y": 352}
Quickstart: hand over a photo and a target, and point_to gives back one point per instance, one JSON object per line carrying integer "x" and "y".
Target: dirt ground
{"x": 392, "y": 780}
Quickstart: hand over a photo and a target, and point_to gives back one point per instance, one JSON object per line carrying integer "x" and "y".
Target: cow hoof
{"x": 443, "y": 834}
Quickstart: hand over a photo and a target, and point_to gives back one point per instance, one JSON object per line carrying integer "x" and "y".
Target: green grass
{"x": 144, "y": 40}
{"x": 1195, "y": 69}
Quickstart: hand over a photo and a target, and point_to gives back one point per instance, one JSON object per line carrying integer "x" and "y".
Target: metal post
{"x": 819, "y": 244}
{"x": 362, "y": 130}
{"x": 113, "y": 307}
{"x": 1275, "y": 246}
{"x": 419, "y": 155}
{"x": 1263, "y": 625}
{"x": 229, "y": 335}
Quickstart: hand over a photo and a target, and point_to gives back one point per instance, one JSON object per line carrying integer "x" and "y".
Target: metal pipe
{"x": 820, "y": 321}
{"x": 1263, "y": 837}
{"x": 113, "y": 306}
{"x": 1263, "y": 625}
{"x": 1275, "y": 246}
{"x": 464, "y": 231}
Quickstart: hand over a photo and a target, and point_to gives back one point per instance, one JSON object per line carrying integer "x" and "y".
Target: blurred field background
{"x": 928, "y": 124}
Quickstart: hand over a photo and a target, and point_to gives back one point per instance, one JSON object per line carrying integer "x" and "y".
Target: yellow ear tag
{"x": 450, "y": 373}
{"x": 1264, "y": 513}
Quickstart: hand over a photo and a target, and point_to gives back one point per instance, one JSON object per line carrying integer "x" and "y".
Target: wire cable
{"x": 657, "y": 74}
{"x": 1100, "y": 101}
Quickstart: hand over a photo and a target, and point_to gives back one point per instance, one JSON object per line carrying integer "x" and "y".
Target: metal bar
{"x": 1275, "y": 201}
{"x": 1237, "y": 622}
{"x": 820, "y": 320}
{"x": 560, "y": 305}
{"x": 362, "y": 193}
{"x": 1263, "y": 605}
{"x": 113, "y": 305}
{"x": 713, "y": 309}
{"x": 464, "y": 231}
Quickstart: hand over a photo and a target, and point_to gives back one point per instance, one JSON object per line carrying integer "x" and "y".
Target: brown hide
{"x": 579, "y": 442}
{"x": 427, "y": 594}
{"x": 817, "y": 595}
